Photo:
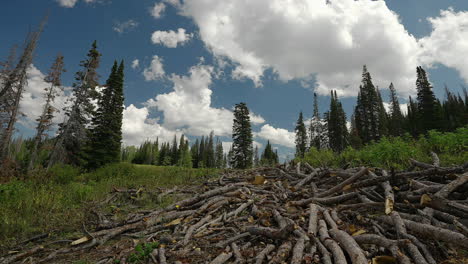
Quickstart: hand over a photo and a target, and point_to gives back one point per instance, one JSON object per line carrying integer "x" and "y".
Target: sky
{"x": 188, "y": 62}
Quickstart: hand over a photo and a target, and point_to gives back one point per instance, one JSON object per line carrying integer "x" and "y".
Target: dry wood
{"x": 350, "y": 245}
{"x": 264, "y": 253}
{"x": 338, "y": 255}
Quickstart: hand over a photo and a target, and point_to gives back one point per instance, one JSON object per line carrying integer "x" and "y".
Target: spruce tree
{"x": 396, "y": 117}
{"x": 210, "y": 152}
{"x": 268, "y": 157}
{"x": 301, "y": 137}
{"x": 195, "y": 153}
{"x": 106, "y": 133}
{"x": 242, "y": 147}
{"x": 412, "y": 120}
{"x": 45, "y": 119}
{"x": 202, "y": 153}
{"x": 316, "y": 133}
{"x": 73, "y": 132}
{"x": 174, "y": 152}
{"x": 369, "y": 113}
{"x": 219, "y": 155}
{"x": 337, "y": 130}
{"x": 426, "y": 102}
{"x": 256, "y": 162}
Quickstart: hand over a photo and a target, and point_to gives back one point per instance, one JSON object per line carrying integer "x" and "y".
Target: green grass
{"x": 58, "y": 201}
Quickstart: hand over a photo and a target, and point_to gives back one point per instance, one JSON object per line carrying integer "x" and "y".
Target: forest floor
{"x": 294, "y": 214}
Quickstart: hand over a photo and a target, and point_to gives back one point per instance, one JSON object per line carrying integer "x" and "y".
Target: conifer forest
{"x": 368, "y": 174}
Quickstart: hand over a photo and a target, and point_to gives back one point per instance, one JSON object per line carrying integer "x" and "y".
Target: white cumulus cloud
{"x": 137, "y": 127}
{"x": 158, "y": 10}
{"x": 156, "y": 69}
{"x": 189, "y": 108}
{"x": 448, "y": 41}
{"x": 302, "y": 38}
{"x": 279, "y": 136}
{"x": 171, "y": 38}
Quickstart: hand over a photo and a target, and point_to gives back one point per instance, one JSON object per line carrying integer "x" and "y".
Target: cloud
{"x": 135, "y": 63}
{"x": 138, "y": 127}
{"x": 155, "y": 71}
{"x": 302, "y": 39}
{"x": 448, "y": 40}
{"x": 188, "y": 106}
{"x": 277, "y": 136}
{"x": 158, "y": 9}
{"x": 72, "y": 3}
{"x": 123, "y": 27}
{"x": 256, "y": 119}
{"x": 171, "y": 38}
{"x": 33, "y": 100}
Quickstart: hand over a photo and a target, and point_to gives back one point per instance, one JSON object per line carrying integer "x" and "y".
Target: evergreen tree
{"x": 106, "y": 134}
{"x": 155, "y": 152}
{"x": 45, "y": 120}
{"x": 301, "y": 137}
{"x": 337, "y": 130}
{"x": 195, "y": 153}
{"x": 256, "y": 158}
{"x": 210, "y": 152}
{"x": 383, "y": 116}
{"x": 73, "y": 132}
{"x": 354, "y": 139}
{"x": 426, "y": 102}
{"x": 396, "y": 117}
{"x": 174, "y": 152}
{"x": 202, "y": 153}
{"x": 268, "y": 157}
{"x": 316, "y": 127}
{"x": 185, "y": 159}
{"x": 368, "y": 113}
{"x": 219, "y": 155}
{"x": 242, "y": 138}
{"x": 412, "y": 121}
{"x": 454, "y": 111}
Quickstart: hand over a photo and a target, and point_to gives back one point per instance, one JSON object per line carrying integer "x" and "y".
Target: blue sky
{"x": 242, "y": 50}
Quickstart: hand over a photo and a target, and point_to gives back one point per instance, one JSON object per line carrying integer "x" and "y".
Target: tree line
{"x": 371, "y": 122}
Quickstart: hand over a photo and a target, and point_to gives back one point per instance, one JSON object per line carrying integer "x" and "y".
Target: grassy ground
{"x": 58, "y": 202}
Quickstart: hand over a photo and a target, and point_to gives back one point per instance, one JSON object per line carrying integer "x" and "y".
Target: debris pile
{"x": 294, "y": 214}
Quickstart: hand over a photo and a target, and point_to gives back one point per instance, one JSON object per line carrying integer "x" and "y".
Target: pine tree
{"x": 301, "y": 137}
{"x": 106, "y": 133}
{"x": 426, "y": 101}
{"x": 219, "y": 155}
{"x": 202, "y": 153}
{"x": 45, "y": 119}
{"x": 383, "y": 116}
{"x": 73, "y": 132}
{"x": 185, "y": 156}
{"x": 354, "y": 139}
{"x": 412, "y": 120}
{"x": 11, "y": 91}
{"x": 396, "y": 117}
{"x": 242, "y": 138}
{"x": 454, "y": 111}
{"x": 155, "y": 152}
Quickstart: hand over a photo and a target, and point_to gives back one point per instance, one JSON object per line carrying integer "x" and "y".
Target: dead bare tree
{"x": 45, "y": 120}
{"x": 12, "y": 90}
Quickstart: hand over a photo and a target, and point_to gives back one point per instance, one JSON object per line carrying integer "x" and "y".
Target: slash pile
{"x": 296, "y": 214}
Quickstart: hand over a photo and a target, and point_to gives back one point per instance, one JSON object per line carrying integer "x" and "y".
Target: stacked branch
{"x": 301, "y": 215}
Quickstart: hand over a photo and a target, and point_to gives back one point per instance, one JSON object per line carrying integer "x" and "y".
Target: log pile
{"x": 296, "y": 214}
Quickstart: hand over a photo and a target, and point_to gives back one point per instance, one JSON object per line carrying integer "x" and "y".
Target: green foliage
{"x": 142, "y": 252}
{"x": 64, "y": 174}
{"x": 389, "y": 152}
{"x": 301, "y": 137}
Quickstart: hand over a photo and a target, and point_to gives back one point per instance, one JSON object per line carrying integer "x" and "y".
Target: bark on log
{"x": 298, "y": 251}
{"x": 340, "y": 186}
{"x": 350, "y": 245}
{"x": 337, "y": 252}
{"x": 264, "y": 253}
